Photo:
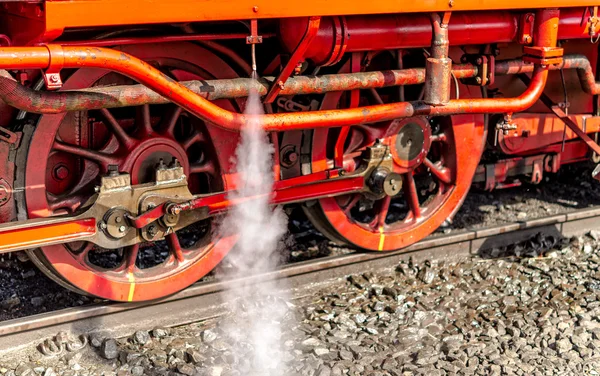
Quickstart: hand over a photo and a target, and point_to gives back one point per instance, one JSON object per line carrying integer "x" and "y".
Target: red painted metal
{"x": 535, "y": 131}
{"x": 297, "y": 57}
{"x": 338, "y": 152}
{"x": 302, "y": 188}
{"x": 390, "y": 32}
{"x": 508, "y": 173}
{"x": 575, "y": 128}
{"x": 462, "y": 143}
{"x": 68, "y": 151}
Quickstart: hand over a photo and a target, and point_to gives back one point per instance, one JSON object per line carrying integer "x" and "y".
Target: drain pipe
{"x": 438, "y": 66}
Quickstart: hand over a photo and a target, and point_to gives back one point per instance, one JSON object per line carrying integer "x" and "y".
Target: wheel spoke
{"x": 175, "y": 246}
{"x": 169, "y": 122}
{"x": 70, "y": 203}
{"x": 113, "y": 125}
{"x": 442, "y": 173}
{"x": 82, "y": 253}
{"x": 412, "y": 197}
{"x": 351, "y": 204}
{"x": 202, "y": 168}
{"x": 146, "y": 123}
{"x": 384, "y": 207}
{"x": 101, "y": 158}
{"x": 375, "y": 95}
{"x": 132, "y": 254}
{"x": 196, "y": 137}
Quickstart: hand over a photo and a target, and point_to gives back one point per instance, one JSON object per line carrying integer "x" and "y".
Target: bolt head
{"x": 61, "y": 173}
{"x": 255, "y": 9}
{"x": 122, "y": 228}
{"x": 174, "y": 209}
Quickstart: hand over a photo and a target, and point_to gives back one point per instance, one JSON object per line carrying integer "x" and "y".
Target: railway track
{"x": 204, "y": 300}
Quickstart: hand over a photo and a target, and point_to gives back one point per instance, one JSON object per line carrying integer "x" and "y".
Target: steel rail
{"x": 204, "y": 300}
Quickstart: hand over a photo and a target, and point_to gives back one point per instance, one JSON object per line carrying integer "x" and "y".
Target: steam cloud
{"x": 257, "y": 311}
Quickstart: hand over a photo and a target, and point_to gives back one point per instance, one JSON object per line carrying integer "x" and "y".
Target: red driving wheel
{"x": 68, "y": 152}
{"x": 436, "y": 158}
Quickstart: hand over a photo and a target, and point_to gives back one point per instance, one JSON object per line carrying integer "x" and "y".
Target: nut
{"x": 61, "y": 172}
{"x": 174, "y": 209}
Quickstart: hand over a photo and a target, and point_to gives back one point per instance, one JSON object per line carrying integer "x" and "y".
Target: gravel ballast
{"x": 528, "y": 309}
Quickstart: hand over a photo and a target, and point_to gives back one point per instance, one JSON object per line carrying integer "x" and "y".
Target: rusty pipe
{"x": 80, "y": 57}
{"x": 585, "y": 73}
{"x": 496, "y": 105}
{"x": 76, "y": 57}
{"x": 49, "y": 102}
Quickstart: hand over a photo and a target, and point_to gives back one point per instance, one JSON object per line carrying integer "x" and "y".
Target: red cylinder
{"x": 337, "y": 35}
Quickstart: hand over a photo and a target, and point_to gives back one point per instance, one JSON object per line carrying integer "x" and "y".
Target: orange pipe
{"x": 79, "y": 57}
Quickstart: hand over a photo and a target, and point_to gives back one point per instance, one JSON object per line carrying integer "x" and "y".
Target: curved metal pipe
{"x": 78, "y": 57}
{"x": 52, "y": 102}
{"x": 496, "y": 105}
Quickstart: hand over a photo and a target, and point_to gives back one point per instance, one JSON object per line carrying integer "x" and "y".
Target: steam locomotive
{"x": 119, "y": 120}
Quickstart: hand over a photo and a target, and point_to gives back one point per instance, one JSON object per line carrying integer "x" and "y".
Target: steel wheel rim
{"x": 329, "y": 216}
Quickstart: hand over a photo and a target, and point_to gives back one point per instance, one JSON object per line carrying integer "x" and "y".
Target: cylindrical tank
{"x": 341, "y": 34}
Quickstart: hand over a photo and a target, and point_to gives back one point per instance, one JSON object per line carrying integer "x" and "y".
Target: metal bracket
{"x": 254, "y": 38}
{"x": 52, "y": 74}
{"x": 592, "y": 25}
{"x": 543, "y": 55}
{"x": 485, "y": 69}
{"x": 526, "y": 22}
{"x": 311, "y": 31}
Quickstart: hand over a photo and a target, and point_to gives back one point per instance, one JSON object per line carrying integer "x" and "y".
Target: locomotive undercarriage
{"x": 118, "y": 150}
